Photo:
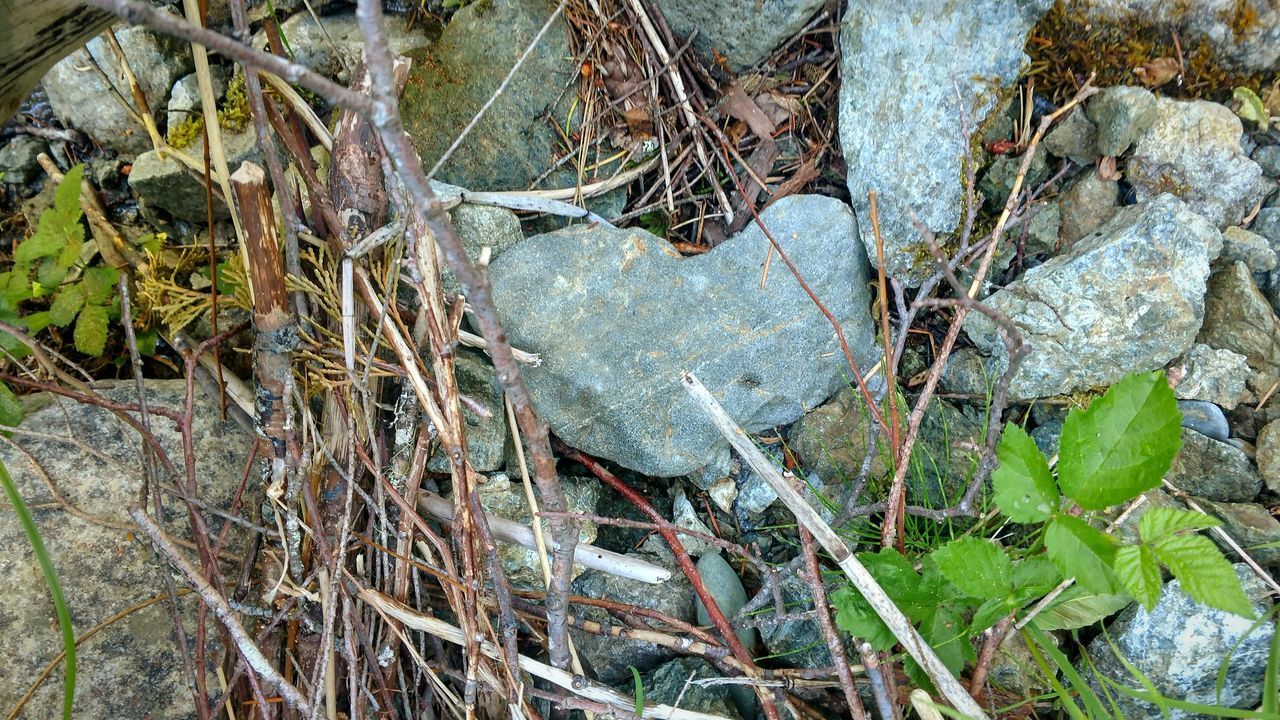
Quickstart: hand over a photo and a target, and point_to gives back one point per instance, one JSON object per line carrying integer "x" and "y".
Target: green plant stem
{"x": 55, "y": 589}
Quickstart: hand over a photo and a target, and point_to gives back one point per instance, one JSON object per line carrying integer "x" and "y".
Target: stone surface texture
{"x": 130, "y": 669}
{"x": 334, "y": 50}
{"x": 908, "y": 145}
{"x": 163, "y": 183}
{"x": 618, "y": 315}
{"x": 1121, "y": 114}
{"x": 1212, "y": 374}
{"x": 1214, "y": 470}
{"x": 486, "y": 436}
{"x": 1180, "y": 644}
{"x": 670, "y": 684}
{"x": 1237, "y": 317}
{"x": 1242, "y": 34}
{"x": 1127, "y": 298}
{"x": 744, "y": 33}
{"x": 1268, "y": 455}
{"x": 80, "y": 97}
{"x": 1192, "y": 149}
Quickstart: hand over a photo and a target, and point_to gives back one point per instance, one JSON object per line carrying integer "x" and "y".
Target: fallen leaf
{"x": 738, "y": 104}
{"x": 639, "y": 124}
{"x": 1107, "y": 169}
{"x": 1157, "y": 72}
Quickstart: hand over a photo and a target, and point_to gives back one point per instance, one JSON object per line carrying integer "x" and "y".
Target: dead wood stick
{"x": 897, "y": 623}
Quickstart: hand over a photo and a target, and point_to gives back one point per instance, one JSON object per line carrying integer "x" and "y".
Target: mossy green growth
{"x": 233, "y": 117}
{"x": 1068, "y": 43}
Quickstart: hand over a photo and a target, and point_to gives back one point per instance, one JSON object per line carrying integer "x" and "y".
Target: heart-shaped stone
{"x": 617, "y": 315}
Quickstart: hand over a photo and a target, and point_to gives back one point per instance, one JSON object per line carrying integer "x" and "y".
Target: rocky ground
{"x": 1139, "y": 231}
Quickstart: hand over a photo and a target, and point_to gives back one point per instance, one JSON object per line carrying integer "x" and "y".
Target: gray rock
{"x": 486, "y": 437}
{"x": 754, "y": 496}
{"x": 1249, "y": 248}
{"x": 334, "y": 50}
{"x": 940, "y": 50}
{"x": 1014, "y": 668}
{"x": 613, "y": 388}
{"x": 1251, "y": 526}
{"x": 1127, "y": 298}
{"x": 1122, "y": 114}
{"x": 1127, "y": 528}
{"x": 1238, "y": 318}
{"x": 18, "y": 165}
{"x": 726, "y": 589}
{"x": 478, "y": 227}
{"x": 1180, "y": 644}
{"x": 1205, "y": 418}
{"x": 130, "y": 669}
{"x": 184, "y": 98}
{"x": 831, "y": 440}
{"x": 997, "y": 182}
{"x": 1211, "y": 374}
{"x": 80, "y": 97}
{"x": 1268, "y": 455}
{"x": 512, "y": 145}
{"x": 609, "y": 657}
{"x": 1075, "y": 137}
{"x": 1088, "y": 203}
{"x": 1192, "y": 150}
{"x": 672, "y": 682}
{"x": 744, "y": 33}
{"x": 1268, "y": 158}
{"x": 1048, "y": 437}
{"x": 1267, "y": 224}
{"x": 684, "y": 516}
{"x": 1213, "y": 470}
{"x": 798, "y": 643}
{"x": 505, "y": 498}
{"x": 164, "y": 185}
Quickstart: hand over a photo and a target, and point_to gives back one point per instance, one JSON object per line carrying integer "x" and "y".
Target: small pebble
{"x": 1205, "y": 418}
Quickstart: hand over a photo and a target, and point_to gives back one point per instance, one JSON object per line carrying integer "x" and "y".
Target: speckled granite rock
{"x": 130, "y": 669}
{"x": 1211, "y": 469}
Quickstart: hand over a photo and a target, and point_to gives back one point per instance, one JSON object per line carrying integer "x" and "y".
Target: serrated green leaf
{"x": 1024, "y": 487}
{"x": 901, "y": 582}
{"x": 978, "y": 567}
{"x": 59, "y": 226}
{"x": 91, "y": 330}
{"x": 66, "y": 199}
{"x": 1033, "y": 577}
{"x": 1204, "y": 573}
{"x": 10, "y": 407}
{"x": 100, "y": 284}
{"x": 1137, "y": 568}
{"x": 989, "y": 613}
{"x": 855, "y": 616}
{"x": 40, "y": 244}
{"x": 1077, "y": 607}
{"x": 66, "y": 305}
{"x": 1122, "y": 445}
{"x": 70, "y": 253}
{"x": 1160, "y": 522}
{"x": 1082, "y": 552}
{"x": 37, "y": 321}
{"x": 946, "y": 634}
{"x": 48, "y": 277}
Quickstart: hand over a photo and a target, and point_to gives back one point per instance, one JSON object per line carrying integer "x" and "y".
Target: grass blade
{"x": 55, "y": 589}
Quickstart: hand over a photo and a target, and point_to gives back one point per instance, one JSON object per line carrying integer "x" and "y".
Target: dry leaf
{"x": 1107, "y": 169}
{"x": 1157, "y": 72}
{"x": 738, "y": 104}
{"x": 639, "y": 124}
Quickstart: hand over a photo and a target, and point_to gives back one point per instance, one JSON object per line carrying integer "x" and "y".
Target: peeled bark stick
{"x": 522, "y": 535}
{"x": 897, "y": 623}
{"x": 277, "y": 333}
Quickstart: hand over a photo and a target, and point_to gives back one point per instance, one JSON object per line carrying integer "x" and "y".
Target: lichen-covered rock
{"x": 904, "y": 67}
{"x": 1251, "y": 527}
{"x": 1089, "y": 202}
{"x": 164, "y": 184}
{"x": 1211, "y": 374}
{"x": 334, "y": 49}
{"x": 1268, "y": 455}
{"x": 670, "y": 684}
{"x": 1249, "y": 248}
{"x": 798, "y": 643}
{"x": 1180, "y": 644}
{"x": 599, "y": 305}
{"x": 1127, "y": 298}
{"x": 1238, "y": 318}
{"x": 130, "y": 669}
{"x": 1192, "y": 149}
{"x": 1122, "y": 114}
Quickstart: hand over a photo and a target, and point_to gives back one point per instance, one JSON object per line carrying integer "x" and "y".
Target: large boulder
{"x": 618, "y": 315}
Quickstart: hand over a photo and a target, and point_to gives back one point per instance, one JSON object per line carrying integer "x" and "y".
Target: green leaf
{"x": 66, "y": 199}
{"x": 100, "y": 284}
{"x": 48, "y": 277}
{"x": 59, "y": 226}
{"x": 1082, "y": 552}
{"x": 989, "y": 613}
{"x": 37, "y": 321}
{"x": 1137, "y": 568}
{"x": 639, "y": 690}
{"x": 1092, "y": 705}
{"x": 855, "y": 616}
{"x": 1160, "y": 522}
{"x": 19, "y": 507}
{"x": 978, "y": 567}
{"x": 147, "y": 340}
{"x": 1204, "y": 573}
{"x": 1033, "y": 577}
{"x": 10, "y": 407}
{"x": 39, "y": 245}
{"x": 66, "y": 305}
{"x": 1077, "y": 607}
{"x": 91, "y": 330}
{"x": 1249, "y": 107}
{"x": 1122, "y": 445}
{"x": 1024, "y": 487}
